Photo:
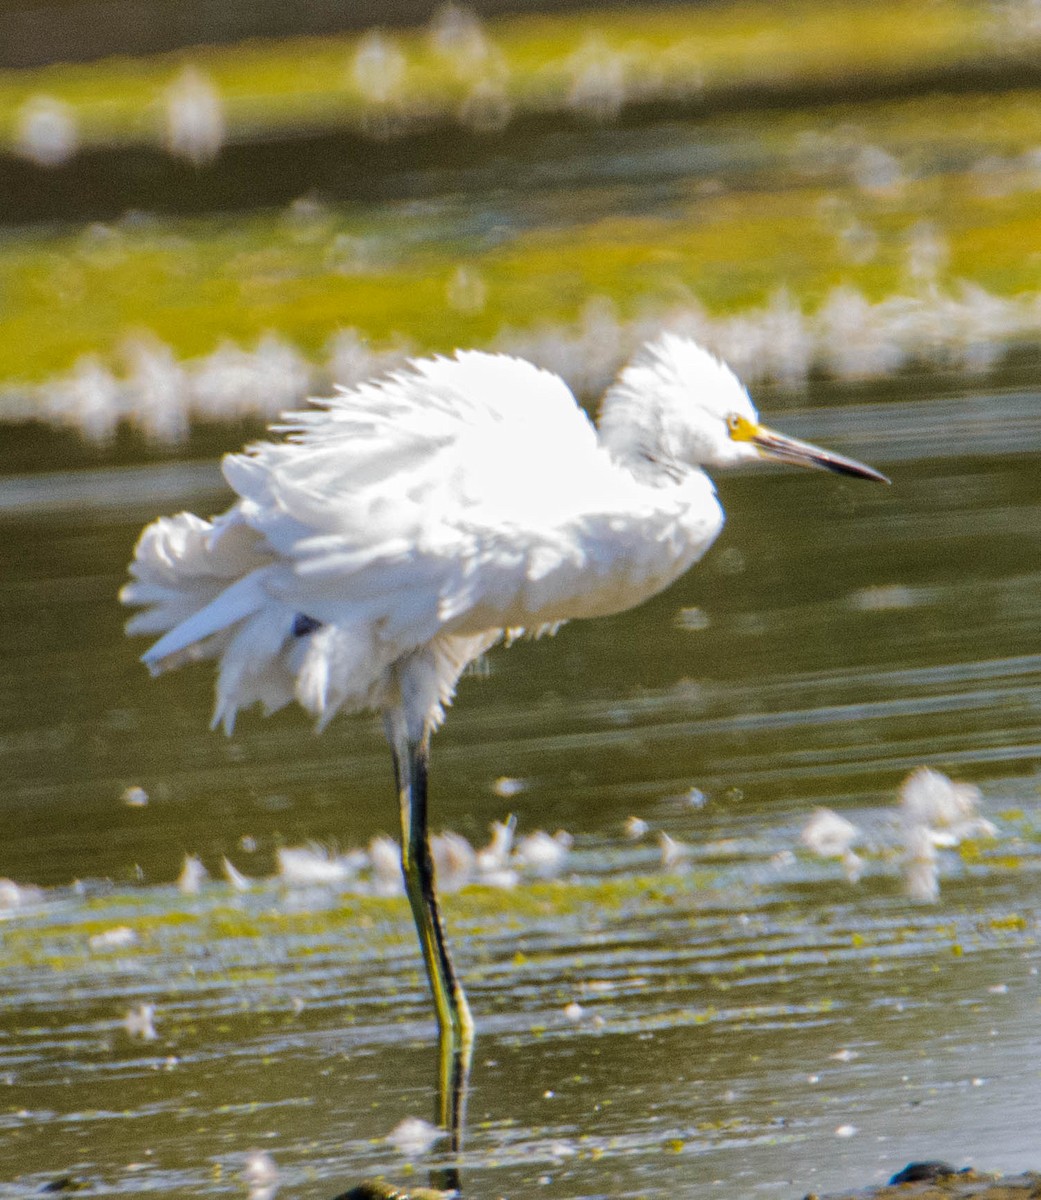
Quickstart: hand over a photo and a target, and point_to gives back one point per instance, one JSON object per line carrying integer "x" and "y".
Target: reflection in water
{"x": 644, "y": 1029}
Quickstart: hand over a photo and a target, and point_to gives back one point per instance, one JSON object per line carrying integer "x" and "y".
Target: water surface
{"x": 750, "y": 1022}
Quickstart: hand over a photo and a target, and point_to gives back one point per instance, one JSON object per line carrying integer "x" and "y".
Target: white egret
{"x": 404, "y": 526}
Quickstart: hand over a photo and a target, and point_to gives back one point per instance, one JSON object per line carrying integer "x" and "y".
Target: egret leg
{"x": 454, "y": 1022}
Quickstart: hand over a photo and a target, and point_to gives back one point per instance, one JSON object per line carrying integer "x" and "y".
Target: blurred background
{"x": 206, "y": 214}
{"x": 687, "y": 979}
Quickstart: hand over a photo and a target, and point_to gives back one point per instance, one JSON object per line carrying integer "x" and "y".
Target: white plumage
{"x": 406, "y": 525}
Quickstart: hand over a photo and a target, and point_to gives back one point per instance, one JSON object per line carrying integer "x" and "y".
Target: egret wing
{"x": 409, "y": 520}
{"x": 415, "y": 495}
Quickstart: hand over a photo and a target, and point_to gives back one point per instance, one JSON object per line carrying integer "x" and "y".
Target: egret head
{"x": 676, "y": 403}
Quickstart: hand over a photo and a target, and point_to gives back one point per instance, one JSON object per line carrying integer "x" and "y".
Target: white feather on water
{"x": 936, "y": 812}
{"x": 139, "y": 1023}
{"x": 261, "y": 1175}
{"x": 46, "y": 131}
{"x": 193, "y": 875}
{"x": 378, "y": 68}
{"x": 194, "y": 117}
{"x": 413, "y": 1137}
{"x": 831, "y": 836}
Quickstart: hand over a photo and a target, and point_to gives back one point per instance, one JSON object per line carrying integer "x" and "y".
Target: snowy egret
{"x": 404, "y": 526}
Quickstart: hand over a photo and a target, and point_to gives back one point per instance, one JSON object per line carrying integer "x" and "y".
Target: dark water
{"x": 481, "y": 186}
{"x": 750, "y": 1022}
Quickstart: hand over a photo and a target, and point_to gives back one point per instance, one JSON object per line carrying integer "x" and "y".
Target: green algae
{"x": 392, "y": 274}
{"x": 182, "y": 925}
{"x": 531, "y": 61}
{"x": 195, "y": 284}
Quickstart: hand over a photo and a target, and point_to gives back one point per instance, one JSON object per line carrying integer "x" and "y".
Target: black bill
{"x": 780, "y": 448}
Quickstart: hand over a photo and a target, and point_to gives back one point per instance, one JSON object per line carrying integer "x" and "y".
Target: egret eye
{"x": 741, "y": 429}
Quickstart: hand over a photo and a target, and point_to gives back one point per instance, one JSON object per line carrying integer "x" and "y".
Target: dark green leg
{"x": 454, "y": 1022}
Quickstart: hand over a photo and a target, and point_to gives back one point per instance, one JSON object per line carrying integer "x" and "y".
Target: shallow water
{"x": 750, "y": 1022}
